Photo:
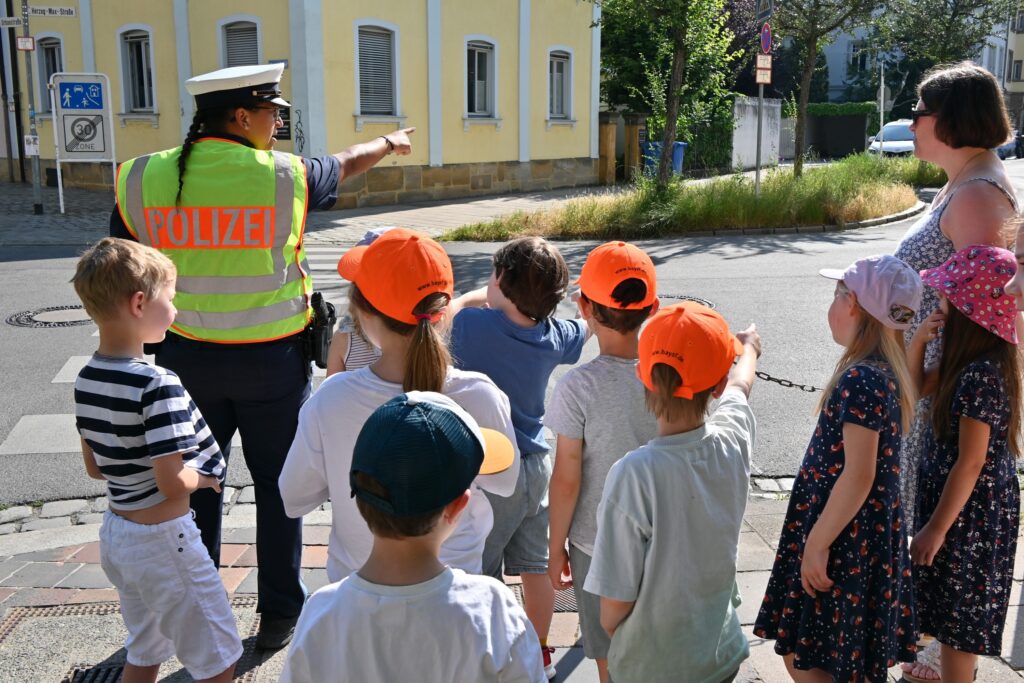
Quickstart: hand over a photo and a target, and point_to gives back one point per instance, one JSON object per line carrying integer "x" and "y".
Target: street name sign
{"x": 52, "y": 11}
{"x": 10, "y": 22}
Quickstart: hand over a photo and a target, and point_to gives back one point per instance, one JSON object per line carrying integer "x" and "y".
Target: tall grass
{"x": 857, "y": 188}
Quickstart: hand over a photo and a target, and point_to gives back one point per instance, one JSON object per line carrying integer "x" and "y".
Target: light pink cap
{"x": 886, "y": 287}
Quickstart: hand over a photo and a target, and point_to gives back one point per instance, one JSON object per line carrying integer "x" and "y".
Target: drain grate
{"x": 106, "y": 672}
{"x": 677, "y": 298}
{"x": 101, "y": 673}
{"x": 52, "y": 316}
{"x": 565, "y": 601}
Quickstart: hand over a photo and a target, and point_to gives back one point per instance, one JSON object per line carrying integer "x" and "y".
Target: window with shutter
{"x": 558, "y": 85}
{"x": 241, "y": 44}
{"x": 138, "y": 71}
{"x": 376, "y": 72}
{"x": 50, "y": 62}
{"x": 479, "y": 78}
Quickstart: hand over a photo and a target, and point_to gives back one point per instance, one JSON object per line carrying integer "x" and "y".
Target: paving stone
{"x": 89, "y": 576}
{"x": 769, "y": 485}
{"x": 54, "y": 523}
{"x": 230, "y": 552}
{"x": 60, "y": 554}
{"x": 1013, "y": 637}
{"x": 314, "y": 556}
{"x": 313, "y": 578}
{"x": 752, "y": 586}
{"x": 315, "y": 535}
{"x": 249, "y": 584}
{"x": 9, "y": 566}
{"x": 7, "y": 529}
{"x": 93, "y": 595}
{"x": 318, "y": 517}
{"x": 88, "y": 553}
{"x": 754, "y": 554}
{"x": 229, "y": 491}
{"x": 233, "y": 577}
{"x": 246, "y": 559}
{"x": 243, "y": 510}
{"x": 565, "y": 629}
{"x": 90, "y": 518}
{"x": 248, "y": 495}
{"x": 14, "y": 514}
{"x": 768, "y": 527}
{"x": 786, "y": 483}
{"x": 63, "y": 508}
{"x": 40, "y": 574}
{"x": 100, "y": 504}
{"x": 245, "y": 535}
{"x": 40, "y": 597}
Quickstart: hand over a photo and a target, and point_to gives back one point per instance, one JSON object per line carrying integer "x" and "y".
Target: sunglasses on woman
{"x": 915, "y": 114}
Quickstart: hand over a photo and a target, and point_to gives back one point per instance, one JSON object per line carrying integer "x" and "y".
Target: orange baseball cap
{"x": 608, "y": 266}
{"x": 694, "y": 340}
{"x": 397, "y": 270}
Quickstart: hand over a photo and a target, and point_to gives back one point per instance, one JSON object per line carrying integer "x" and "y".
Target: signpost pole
{"x": 881, "y": 109}
{"x": 37, "y": 189}
{"x": 56, "y": 145}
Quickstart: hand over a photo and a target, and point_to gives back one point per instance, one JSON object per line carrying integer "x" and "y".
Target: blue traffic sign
{"x": 766, "y": 38}
{"x": 81, "y": 96}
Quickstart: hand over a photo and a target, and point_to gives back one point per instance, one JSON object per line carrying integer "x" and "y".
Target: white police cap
{"x": 237, "y": 86}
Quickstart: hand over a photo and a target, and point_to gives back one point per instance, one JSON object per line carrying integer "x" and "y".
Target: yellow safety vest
{"x": 235, "y": 237}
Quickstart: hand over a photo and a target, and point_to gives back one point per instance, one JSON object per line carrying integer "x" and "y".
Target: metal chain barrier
{"x": 785, "y": 382}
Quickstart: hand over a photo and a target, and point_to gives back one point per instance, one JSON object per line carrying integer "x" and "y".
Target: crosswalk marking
{"x": 71, "y": 368}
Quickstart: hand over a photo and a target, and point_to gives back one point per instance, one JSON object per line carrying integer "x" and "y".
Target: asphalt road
{"x": 771, "y": 280}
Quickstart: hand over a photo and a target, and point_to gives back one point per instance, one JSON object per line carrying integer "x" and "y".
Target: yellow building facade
{"x": 503, "y": 93}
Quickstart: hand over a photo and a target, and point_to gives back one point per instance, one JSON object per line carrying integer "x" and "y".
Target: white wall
{"x": 744, "y": 137}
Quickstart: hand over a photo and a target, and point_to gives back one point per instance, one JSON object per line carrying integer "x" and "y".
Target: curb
{"x": 798, "y": 229}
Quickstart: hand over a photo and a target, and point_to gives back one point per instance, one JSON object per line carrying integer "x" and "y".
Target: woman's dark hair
{"x": 204, "y": 122}
{"x": 963, "y": 342}
{"x": 968, "y": 106}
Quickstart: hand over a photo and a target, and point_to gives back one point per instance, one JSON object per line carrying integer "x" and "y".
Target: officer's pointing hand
{"x": 400, "y": 139}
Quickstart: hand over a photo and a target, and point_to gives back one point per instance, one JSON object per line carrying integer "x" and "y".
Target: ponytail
{"x": 427, "y": 360}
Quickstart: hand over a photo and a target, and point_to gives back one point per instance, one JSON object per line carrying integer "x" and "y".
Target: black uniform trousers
{"x": 258, "y": 390}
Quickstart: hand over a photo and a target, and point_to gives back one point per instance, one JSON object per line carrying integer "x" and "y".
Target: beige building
{"x": 503, "y": 93}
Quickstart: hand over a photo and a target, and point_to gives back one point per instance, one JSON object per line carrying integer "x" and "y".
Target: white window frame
{"x": 222, "y": 38}
{"x": 42, "y": 81}
{"x": 397, "y": 118}
{"x": 126, "y": 113}
{"x": 569, "y": 87}
{"x": 493, "y": 117}
{"x": 1018, "y": 67}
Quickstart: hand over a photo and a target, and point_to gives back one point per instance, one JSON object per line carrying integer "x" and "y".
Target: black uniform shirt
{"x": 321, "y": 179}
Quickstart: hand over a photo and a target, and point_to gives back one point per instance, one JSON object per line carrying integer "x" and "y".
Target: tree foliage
{"x": 809, "y": 24}
{"x": 673, "y": 59}
{"x": 940, "y": 31}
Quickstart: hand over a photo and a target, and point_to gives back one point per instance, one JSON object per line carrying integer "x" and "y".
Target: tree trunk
{"x": 810, "y": 61}
{"x": 675, "y": 84}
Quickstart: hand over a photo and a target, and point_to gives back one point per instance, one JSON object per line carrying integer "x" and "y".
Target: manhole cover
{"x": 676, "y": 298}
{"x": 53, "y": 316}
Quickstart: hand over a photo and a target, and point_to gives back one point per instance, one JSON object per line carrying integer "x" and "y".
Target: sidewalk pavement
{"x": 59, "y": 612}
{"x": 88, "y": 212}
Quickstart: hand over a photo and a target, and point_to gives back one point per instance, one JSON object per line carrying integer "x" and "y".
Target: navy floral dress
{"x": 865, "y": 624}
{"x": 964, "y": 594}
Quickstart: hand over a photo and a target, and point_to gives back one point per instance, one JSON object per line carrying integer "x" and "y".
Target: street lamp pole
{"x": 881, "y": 107}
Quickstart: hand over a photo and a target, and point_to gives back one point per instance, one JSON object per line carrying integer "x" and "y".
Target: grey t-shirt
{"x": 601, "y": 402}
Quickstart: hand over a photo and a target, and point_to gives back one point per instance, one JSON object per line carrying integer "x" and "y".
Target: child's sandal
{"x": 929, "y": 654}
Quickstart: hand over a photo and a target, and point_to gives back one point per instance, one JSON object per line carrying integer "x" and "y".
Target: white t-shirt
{"x": 320, "y": 457}
{"x": 667, "y": 535}
{"x": 454, "y": 628}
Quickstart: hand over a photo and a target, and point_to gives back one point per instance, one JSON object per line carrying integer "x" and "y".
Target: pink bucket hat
{"x": 973, "y": 280}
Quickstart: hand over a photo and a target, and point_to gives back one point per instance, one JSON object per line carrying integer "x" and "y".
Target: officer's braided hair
{"x": 198, "y": 122}
{"x": 204, "y": 122}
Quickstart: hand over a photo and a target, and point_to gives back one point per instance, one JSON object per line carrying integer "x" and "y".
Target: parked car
{"x": 897, "y": 139}
{"x": 1010, "y": 148}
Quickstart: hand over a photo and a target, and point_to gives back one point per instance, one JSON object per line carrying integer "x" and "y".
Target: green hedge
{"x": 841, "y": 108}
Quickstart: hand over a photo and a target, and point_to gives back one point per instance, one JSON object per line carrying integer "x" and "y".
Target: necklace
{"x": 950, "y": 184}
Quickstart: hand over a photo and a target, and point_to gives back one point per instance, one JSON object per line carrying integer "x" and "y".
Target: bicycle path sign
{"x": 82, "y": 117}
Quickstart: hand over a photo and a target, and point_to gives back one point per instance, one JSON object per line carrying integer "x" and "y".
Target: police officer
{"x": 230, "y": 211}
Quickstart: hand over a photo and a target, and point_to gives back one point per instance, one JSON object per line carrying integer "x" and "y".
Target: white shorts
{"x": 172, "y": 598}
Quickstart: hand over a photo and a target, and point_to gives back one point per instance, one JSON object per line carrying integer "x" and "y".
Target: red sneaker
{"x": 549, "y": 668}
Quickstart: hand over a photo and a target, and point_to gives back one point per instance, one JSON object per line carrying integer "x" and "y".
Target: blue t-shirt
{"x": 519, "y": 360}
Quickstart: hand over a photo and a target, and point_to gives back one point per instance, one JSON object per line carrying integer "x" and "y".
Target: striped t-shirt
{"x": 130, "y": 412}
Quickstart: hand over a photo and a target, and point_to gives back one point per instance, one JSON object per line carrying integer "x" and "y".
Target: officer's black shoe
{"x": 275, "y": 633}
